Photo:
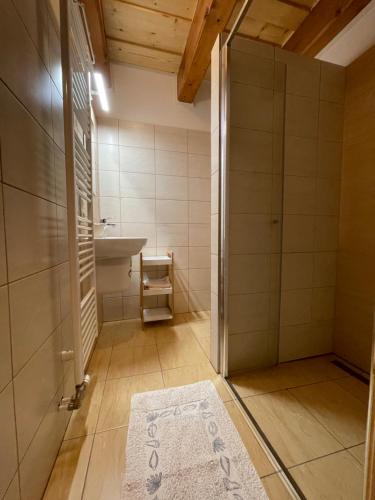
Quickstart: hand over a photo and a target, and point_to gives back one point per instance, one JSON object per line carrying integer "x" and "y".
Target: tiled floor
{"x": 314, "y": 415}
{"x": 127, "y": 360}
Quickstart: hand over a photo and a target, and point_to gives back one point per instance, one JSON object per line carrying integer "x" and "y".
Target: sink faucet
{"x": 105, "y": 224}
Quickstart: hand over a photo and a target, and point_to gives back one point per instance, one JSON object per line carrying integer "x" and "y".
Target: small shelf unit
{"x": 156, "y": 286}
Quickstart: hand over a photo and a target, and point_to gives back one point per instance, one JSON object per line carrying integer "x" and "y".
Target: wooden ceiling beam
{"x": 325, "y": 21}
{"x": 95, "y": 21}
{"x": 210, "y": 19}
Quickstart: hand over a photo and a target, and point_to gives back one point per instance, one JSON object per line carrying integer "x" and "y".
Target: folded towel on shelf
{"x": 156, "y": 282}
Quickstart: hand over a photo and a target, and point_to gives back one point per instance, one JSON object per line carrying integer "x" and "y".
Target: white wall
{"x": 146, "y": 96}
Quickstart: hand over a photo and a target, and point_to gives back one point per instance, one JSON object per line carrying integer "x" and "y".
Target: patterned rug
{"x": 182, "y": 445}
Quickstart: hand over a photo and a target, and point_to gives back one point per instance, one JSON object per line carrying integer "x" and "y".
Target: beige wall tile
{"x": 324, "y": 269}
{"x": 295, "y": 307}
{"x": 199, "y": 279}
{"x": 251, "y": 107}
{"x": 331, "y": 121}
{"x": 199, "y": 212}
{"x": 13, "y": 491}
{"x": 332, "y": 83}
{"x": 141, "y": 135}
{"x": 199, "y": 165}
{"x": 112, "y": 308}
{"x": 300, "y": 156}
{"x": 252, "y": 69}
{"x": 5, "y": 351}
{"x": 108, "y": 157}
{"x": 34, "y": 388}
{"x": 59, "y": 163}
{"x": 249, "y": 313}
{"x": 257, "y": 142}
{"x": 34, "y": 88}
{"x": 248, "y": 350}
{"x": 139, "y": 160}
{"x": 329, "y": 159}
{"x": 323, "y": 304}
{"x": 199, "y": 257}
{"x": 109, "y": 208}
{"x": 199, "y": 189}
{"x": 172, "y": 211}
{"x": 326, "y": 229}
{"x": 250, "y": 273}
{"x": 301, "y": 116}
{"x": 3, "y": 263}
{"x": 108, "y": 131}
{"x": 299, "y": 195}
{"x": 253, "y": 193}
{"x": 136, "y": 229}
{"x": 199, "y": 300}
{"x": 42, "y": 451}
{"x": 58, "y": 118}
{"x": 172, "y": 234}
{"x": 171, "y": 139}
{"x": 243, "y": 227}
{"x": 199, "y": 142}
{"x": 171, "y": 163}
{"x": 297, "y": 270}
{"x": 108, "y": 183}
{"x": 25, "y": 167}
{"x": 138, "y": 210}
{"x": 171, "y": 187}
{"x": 327, "y": 197}
{"x": 31, "y": 230}
{"x": 7, "y": 439}
{"x": 34, "y": 314}
{"x": 298, "y": 233}
{"x": 303, "y": 76}
{"x": 137, "y": 185}
{"x": 199, "y": 235}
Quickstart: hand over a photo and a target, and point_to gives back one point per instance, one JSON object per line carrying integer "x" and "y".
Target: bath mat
{"x": 182, "y": 445}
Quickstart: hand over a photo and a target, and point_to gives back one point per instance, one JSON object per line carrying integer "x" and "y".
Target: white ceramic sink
{"x": 116, "y": 248}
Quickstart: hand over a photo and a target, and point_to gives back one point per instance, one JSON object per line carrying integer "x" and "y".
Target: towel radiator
{"x": 77, "y": 65}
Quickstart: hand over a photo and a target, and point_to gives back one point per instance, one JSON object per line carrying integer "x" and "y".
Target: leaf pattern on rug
{"x": 236, "y": 496}
{"x": 212, "y": 428}
{"x": 218, "y": 445}
{"x": 207, "y": 414}
{"x": 225, "y": 464}
{"x": 154, "y": 460}
{"x": 231, "y": 485}
{"x": 177, "y": 411}
{"x": 154, "y": 443}
{"x": 150, "y": 417}
{"x": 165, "y": 413}
{"x": 153, "y": 483}
{"x": 203, "y": 405}
{"x": 151, "y": 430}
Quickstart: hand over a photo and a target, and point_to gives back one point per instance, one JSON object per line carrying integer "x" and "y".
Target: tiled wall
{"x": 34, "y": 279}
{"x": 354, "y": 322}
{"x": 315, "y": 93}
{"x": 154, "y": 181}
{"x": 285, "y": 159}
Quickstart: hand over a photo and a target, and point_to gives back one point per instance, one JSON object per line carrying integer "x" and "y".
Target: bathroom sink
{"x": 116, "y": 247}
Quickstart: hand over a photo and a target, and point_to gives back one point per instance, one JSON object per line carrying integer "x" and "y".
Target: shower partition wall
{"x": 281, "y": 124}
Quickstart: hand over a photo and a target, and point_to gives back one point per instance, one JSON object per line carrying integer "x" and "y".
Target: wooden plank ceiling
{"x": 153, "y": 33}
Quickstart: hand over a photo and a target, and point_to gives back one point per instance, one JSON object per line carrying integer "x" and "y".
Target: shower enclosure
{"x": 277, "y": 139}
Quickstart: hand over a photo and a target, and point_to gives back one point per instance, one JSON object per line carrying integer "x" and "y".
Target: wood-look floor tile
{"x": 84, "y": 420}
{"x": 256, "y": 453}
{"x": 205, "y": 343}
{"x": 171, "y": 333}
{"x": 107, "y": 465}
{"x": 197, "y": 315}
{"x": 340, "y": 412}
{"x": 195, "y": 373}
{"x": 128, "y": 360}
{"x": 335, "y": 476}
{"x": 98, "y": 366}
{"x": 276, "y": 488}
{"x": 180, "y": 353}
{"x": 131, "y": 332}
{"x": 285, "y": 376}
{"x": 68, "y": 475}
{"x": 292, "y": 430}
{"x": 358, "y": 452}
{"x": 200, "y": 328}
{"x": 355, "y": 387}
{"x": 115, "y": 408}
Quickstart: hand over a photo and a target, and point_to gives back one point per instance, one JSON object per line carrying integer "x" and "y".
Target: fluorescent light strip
{"x": 101, "y": 91}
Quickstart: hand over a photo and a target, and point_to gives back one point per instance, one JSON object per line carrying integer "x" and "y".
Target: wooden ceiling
{"x": 153, "y": 33}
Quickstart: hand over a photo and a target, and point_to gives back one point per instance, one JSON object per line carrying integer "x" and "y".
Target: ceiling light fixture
{"x": 101, "y": 91}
